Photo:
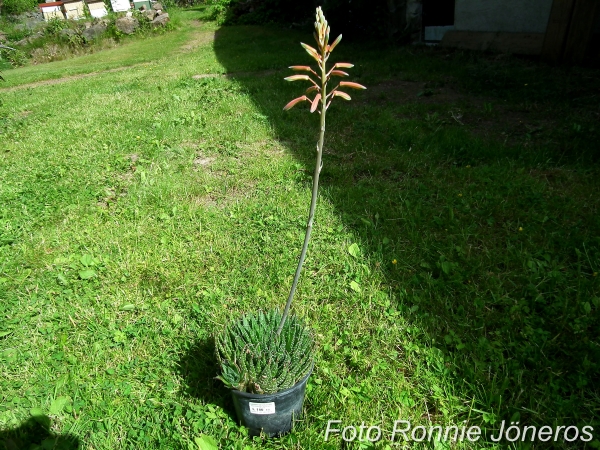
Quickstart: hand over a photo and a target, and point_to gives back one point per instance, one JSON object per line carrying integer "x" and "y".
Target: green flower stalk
{"x": 320, "y": 102}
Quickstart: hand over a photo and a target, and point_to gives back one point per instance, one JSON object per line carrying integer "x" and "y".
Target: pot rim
{"x": 278, "y": 393}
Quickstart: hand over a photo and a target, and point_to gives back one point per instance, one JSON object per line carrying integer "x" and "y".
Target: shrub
{"x": 15, "y": 57}
{"x": 18, "y": 6}
{"x": 54, "y": 26}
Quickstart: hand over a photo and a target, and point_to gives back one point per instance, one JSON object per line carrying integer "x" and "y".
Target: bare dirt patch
{"x": 199, "y": 38}
{"x": 203, "y": 161}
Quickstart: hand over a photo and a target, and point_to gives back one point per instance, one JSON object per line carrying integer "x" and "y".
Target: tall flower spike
{"x": 319, "y": 103}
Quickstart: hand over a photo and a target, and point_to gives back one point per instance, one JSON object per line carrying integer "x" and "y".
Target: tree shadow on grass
{"x": 35, "y": 434}
{"x": 198, "y": 368}
{"x": 465, "y": 271}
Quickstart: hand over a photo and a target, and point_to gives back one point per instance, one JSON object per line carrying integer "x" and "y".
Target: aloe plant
{"x": 254, "y": 358}
{"x": 320, "y": 102}
{"x": 267, "y": 352}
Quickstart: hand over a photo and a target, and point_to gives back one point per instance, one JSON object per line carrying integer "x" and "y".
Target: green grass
{"x": 143, "y": 209}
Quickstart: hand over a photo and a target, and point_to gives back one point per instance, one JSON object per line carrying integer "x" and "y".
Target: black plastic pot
{"x": 273, "y": 414}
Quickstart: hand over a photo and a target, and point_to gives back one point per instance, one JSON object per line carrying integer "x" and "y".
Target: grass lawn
{"x": 147, "y": 199}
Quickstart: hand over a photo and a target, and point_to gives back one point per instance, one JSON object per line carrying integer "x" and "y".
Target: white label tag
{"x": 262, "y": 408}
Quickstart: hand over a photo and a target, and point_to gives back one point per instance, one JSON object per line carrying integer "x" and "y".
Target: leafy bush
{"x": 54, "y": 26}
{"x": 16, "y": 34}
{"x": 255, "y": 359}
{"x": 15, "y": 57}
{"x": 18, "y": 6}
{"x": 259, "y": 11}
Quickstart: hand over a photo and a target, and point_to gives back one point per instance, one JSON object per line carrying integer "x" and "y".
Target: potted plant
{"x": 267, "y": 357}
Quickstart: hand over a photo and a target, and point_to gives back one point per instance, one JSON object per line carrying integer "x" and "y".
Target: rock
{"x": 127, "y": 25}
{"x": 157, "y": 6}
{"x": 94, "y": 31}
{"x": 28, "y": 21}
{"x": 33, "y": 23}
{"x": 67, "y": 32}
{"x": 150, "y": 14}
{"x": 161, "y": 20}
{"x": 30, "y": 39}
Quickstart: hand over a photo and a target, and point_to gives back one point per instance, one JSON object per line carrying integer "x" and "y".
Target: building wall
{"x": 514, "y": 16}
{"x": 74, "y": 10}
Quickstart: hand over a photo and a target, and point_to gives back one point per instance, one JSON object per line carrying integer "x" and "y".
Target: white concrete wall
{"x": 515, "y": 16}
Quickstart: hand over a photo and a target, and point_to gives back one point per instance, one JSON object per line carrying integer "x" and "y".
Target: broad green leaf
{"x": 40, "y": 417}
{"x": 354, "y": 250}
{"x": 345, "y": 392}
{"x": 119, "y": 336}
{"x": 355, "y": 286}
{"x": 58, "y": 405}
{"x": 446, "y": 267}
{"x": 5, "y": 333}
{"x": 489, "y": 418}
{"x": 35, "y": 412}
{"x": 86, "y": 260}
{"x": 127, "y": 307}
{"x": 406, "y": 399}
{"x": 206, "y": 442}
{"x": 87, "y": 274}
{"x": 62, "y": 279}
